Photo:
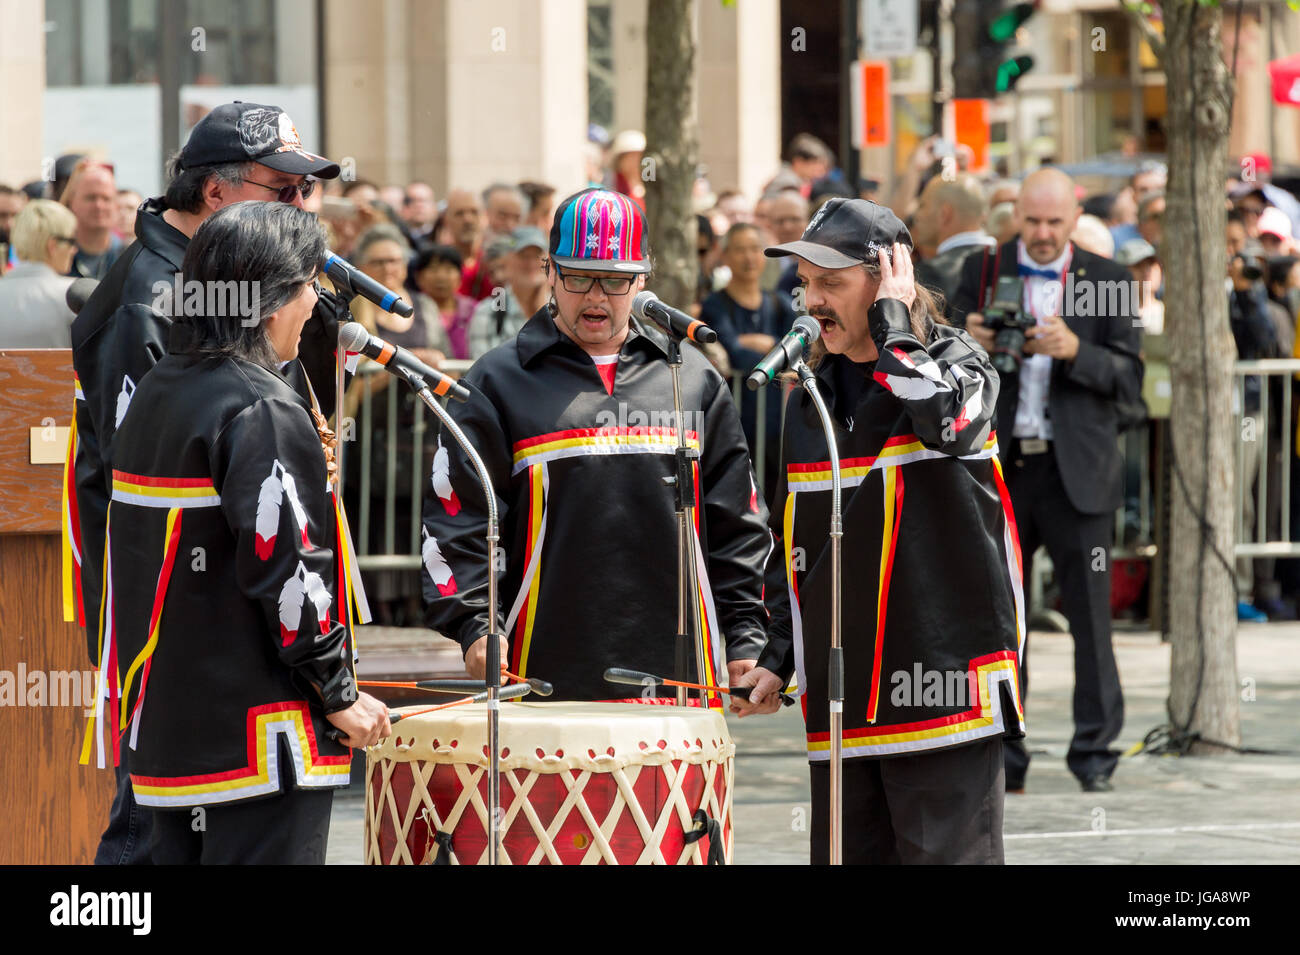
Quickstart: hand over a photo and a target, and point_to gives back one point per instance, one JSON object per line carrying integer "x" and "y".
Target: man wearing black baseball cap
{"x": 931, "y": 585}
{"x": 238, "y": 152}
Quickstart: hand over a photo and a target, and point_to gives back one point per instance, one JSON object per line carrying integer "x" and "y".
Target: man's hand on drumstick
{"x": 737, "y": 669}
{"x": 765, "y": 695}
{"x": 364, "y": 723}
{"x": 476, "y": 658}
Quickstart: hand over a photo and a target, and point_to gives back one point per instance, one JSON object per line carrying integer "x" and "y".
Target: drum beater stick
{"x": 835, "y": 684}
{"x": 494, "y": 627}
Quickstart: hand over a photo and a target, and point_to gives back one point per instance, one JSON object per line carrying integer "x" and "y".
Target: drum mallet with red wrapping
{"x": 637, "y": 678}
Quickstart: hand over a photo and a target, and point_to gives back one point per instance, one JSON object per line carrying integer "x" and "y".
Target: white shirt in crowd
{"x": 1042, "y": 300}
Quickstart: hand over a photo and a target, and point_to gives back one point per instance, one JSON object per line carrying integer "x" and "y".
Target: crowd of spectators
{"x": 472, "y": 263}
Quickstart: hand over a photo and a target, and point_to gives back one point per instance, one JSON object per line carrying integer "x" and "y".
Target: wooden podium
{"x": 54, "y": 809}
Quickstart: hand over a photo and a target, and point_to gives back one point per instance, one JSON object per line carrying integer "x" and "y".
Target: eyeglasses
{"x": 286, "y": 193}
{"x": 66, "y": 239}
{"x": 617, "y": 285}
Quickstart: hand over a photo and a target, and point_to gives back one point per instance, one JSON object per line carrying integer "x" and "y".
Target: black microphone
{"x": 354, "y": 338}
{"x": 347, "y": 275}
{"x": 786, "y": 352}
{"x": 647, "y": 307}
{"x": 78, "y": 293}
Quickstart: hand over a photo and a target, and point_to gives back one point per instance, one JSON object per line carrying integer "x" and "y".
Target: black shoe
{"x": 1096, "y": 784}
{"x": 1015, "y": 786}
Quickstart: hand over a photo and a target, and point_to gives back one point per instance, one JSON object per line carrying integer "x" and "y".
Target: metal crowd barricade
{"x": 1256, "y": 438}
{"x": 396, "y": 553}
{"x": 1272, "y": 441}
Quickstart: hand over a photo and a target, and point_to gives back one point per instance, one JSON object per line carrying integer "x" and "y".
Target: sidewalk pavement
{"x": 1224, "y": 809}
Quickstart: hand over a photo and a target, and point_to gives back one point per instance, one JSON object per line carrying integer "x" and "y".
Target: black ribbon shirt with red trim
{"x": 588, "y": 528}
{"x": 933, "y": 615}
{"x": 224, "y": 625}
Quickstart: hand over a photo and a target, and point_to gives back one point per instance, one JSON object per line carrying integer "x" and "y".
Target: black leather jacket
{"x": 588, "y": 528}
{"x": 932, "y": 615}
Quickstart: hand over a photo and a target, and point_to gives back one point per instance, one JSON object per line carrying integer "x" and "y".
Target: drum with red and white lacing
{"x": 581, "y": 784}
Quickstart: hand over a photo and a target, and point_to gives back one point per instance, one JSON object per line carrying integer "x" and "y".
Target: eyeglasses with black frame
{"x": 285, "y": 193}
{"x": 579, "y": 284}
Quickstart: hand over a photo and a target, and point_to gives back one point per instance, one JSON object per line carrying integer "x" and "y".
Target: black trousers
{"x": 127, "y": 837}
{"x": 937, "y": 808}
{"x": 290, "y": 828}
{"x": 1079, "y": 545}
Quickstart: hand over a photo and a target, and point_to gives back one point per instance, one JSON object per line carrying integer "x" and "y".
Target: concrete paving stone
{"x": 1238, "y": 810}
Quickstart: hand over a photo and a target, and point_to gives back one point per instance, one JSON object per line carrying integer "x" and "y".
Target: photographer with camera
{"x": 1066, "y": 372}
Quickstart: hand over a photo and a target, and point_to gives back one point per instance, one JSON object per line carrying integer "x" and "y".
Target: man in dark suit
{"x": 946, "y": 227}
{"x": 1058, "y": 417}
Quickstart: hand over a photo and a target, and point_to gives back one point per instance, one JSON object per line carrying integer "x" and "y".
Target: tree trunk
{"x": 1203, "y": 690}
{"x": 671, "y": 149}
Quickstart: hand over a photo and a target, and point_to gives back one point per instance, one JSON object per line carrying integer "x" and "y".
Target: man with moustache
{"x": 931, "y": 616}
{"x": 1059, "y": 417}
{"x": 573, "y": 417}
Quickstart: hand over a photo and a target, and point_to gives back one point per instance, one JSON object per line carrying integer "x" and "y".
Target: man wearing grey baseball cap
{"x": 932, "y": 610}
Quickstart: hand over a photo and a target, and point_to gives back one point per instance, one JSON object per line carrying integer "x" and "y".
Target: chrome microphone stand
{"x": 835, "y": 685}
{"x": 492, "y": 675}
{"x": 682, "y": 481}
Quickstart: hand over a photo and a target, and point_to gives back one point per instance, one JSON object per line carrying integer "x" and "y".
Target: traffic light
{"x": 984, "y": 31}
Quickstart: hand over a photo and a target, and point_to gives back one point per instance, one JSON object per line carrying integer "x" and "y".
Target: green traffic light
{"x": 1004, "y": 26}
{"x": 1009, "y": 73}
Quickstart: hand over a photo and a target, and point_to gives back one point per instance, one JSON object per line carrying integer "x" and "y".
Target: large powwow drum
{"x": 581, "y": 784}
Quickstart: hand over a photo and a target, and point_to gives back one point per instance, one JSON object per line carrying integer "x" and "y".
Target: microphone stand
{"x": 835, "y": 687}
{"x": 682, "y": 482}
{"x": 493, "y": 668}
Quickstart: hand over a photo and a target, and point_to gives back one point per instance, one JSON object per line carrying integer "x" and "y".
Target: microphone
{"x": 350, "y": 277}
{"x": 354, "y": 338}
{"x": 78, "y": 293}
{"x": 786, "y": 352}
{"x": 647, "y": 307}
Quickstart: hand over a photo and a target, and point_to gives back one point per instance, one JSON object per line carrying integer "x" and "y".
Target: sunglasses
{"x": 618, "y": 285}
{"x": 286, "y": 193}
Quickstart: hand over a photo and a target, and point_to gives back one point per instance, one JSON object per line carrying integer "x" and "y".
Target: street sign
{"x": 970, "y": 122}
{"x": 888, "y": 27}
{"x": 870, "y": 103}
{"x": 1286, "y": 80}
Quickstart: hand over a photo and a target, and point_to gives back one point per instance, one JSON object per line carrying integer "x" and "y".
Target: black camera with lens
{"x": 1252, "y": 260}
{"x": 1005, "y": 315}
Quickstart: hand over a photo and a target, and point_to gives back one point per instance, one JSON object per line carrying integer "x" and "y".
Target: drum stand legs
{"x": 689, "y": 631}
{"x": 493, "y": 668}
{"x": 835, "y": 684}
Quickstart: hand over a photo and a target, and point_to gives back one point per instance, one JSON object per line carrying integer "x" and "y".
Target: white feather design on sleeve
{"x": 320, "y": 597}
{"x": 437, "y": 565}
{"x": 441, "y": 480}
{"x": 299, "y": 514}
{"x": 268, "y": 513}
{"x": 291, "y": 595}
{"x": 123, "y": 400}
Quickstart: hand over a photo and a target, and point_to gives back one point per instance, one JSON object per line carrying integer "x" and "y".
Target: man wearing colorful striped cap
{"x": 574, "y": 420}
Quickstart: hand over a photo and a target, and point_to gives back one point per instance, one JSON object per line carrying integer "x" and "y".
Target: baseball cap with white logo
{"x": 251, "y": 132}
